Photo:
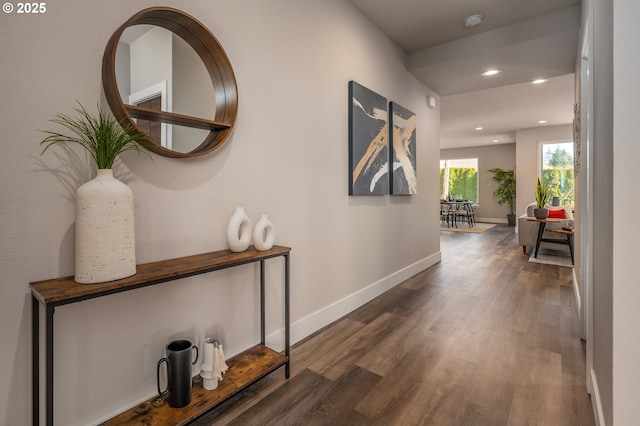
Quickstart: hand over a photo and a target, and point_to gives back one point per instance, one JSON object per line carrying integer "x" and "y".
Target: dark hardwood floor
{"x": 483, "y": 338}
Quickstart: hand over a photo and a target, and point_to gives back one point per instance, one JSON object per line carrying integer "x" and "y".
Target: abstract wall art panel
{"x": 403, "y": 150}
{"x": 368, "y": 142}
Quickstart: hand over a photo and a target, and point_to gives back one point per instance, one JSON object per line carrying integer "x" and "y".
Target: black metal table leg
{"x": 35, "y": 359}
{"x": 570, "y": 241}
{"x": 262, "y": 304}
{"x": 287, "y": 316}
{"x": 540, "y": 232}
{"x": 49, "y": 362}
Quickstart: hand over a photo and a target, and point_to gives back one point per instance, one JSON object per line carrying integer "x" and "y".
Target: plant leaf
{"x": 101, "y": 135}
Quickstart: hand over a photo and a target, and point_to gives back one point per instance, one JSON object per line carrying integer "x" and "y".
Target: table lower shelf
{"x": 244, "y": 369}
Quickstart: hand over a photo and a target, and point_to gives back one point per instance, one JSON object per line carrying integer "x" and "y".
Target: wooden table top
{"x": 548, "y": 220}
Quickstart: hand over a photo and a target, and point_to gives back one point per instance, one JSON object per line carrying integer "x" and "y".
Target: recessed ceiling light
{"x": 491, "y": 72}
{"x": 495, "y": 140}
{"x": 472, "y": 21}
{"x": 542, "y": 121}
{"x": 479, "y": 128}
{"x": 540, "y": 81}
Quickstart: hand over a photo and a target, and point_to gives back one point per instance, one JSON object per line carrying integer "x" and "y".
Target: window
{"x": 557, "y": 171}
{"x": 459, "y": 179}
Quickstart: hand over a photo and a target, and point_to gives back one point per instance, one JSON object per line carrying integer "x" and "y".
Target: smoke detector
{"x": 472, "y": 21}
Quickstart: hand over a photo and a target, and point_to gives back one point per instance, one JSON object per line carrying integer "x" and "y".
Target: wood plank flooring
{"x": 483, "y": 338}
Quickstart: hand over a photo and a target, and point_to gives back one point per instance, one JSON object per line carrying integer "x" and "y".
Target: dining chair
{"x": 447, "y": 214}
{"x": 465, "y": 213}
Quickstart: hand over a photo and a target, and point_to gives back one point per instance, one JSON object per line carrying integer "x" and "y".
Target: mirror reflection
{"x": 163, "y": 72}
{"x": 157, "y": 69}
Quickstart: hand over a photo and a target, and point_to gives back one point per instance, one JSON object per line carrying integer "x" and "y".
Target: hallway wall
{"x": 603, "y": 224}
{"x": 626, "y": 197}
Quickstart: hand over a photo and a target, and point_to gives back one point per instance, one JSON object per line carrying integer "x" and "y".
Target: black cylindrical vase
{"x": 179, "y": 362}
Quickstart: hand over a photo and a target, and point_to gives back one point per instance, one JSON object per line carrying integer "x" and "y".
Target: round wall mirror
{"x": 166, "y": 74}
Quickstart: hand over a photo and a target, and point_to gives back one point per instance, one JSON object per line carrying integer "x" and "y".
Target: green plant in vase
{"x": 505, "y": 193}
{"x": 105, "y": 234}
{"x": 101, "y": 135}
{"x": 542, "y": 195}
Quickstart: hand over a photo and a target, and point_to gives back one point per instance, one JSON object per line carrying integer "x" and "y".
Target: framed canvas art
{"x": 368, "y": 142}
{"x": 403, "y": 178}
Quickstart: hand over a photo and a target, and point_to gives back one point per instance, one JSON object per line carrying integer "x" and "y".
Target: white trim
{"x": 124, "y": 408}
{"x": 310, "y": 324}
{"x": 598, "y": 415}
{"x": 576, "y": 293}
{"x": 491, "y": 220}
{"x": 149, "y": 93}
{"x": 586, "y": 188}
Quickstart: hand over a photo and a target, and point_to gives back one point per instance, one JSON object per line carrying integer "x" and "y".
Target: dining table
{"x": 452, "y": 210}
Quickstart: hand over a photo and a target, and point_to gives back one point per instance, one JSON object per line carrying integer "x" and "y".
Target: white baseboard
{"x": 595, "y": 400}
{"x": 325, "y": 316}
{"x": 491, "y": 220}
{"x": 576, "y": 293}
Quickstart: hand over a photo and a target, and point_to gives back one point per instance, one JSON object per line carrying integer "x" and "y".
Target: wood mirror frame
{"x": 215, "y": 61}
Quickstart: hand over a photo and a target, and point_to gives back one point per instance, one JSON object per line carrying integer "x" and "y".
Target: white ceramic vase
{"x": 239, "y": 231}
{"x": 105, "y": 234}
{"x": 264, "y": 234}
{"x": 209, "y": 381}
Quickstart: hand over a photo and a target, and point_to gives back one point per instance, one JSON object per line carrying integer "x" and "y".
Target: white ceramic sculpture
{"x": 264, "y": 234}
{"x": 213, "y": 366}
{"x": 239, "y": 231}
{"x": 105, "y": 233}
{"x": 209, "y": 381}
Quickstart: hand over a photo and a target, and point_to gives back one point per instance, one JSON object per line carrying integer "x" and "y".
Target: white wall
{"x": 626, "y": 197}
{"x": 151, "y": 60}
{"x": 287, "y": 157}
{"x": 123, "y": 70}
{"x": 603, "y": 219}
{"x": 192, "y": 95}
{"x": 526, "y": 159}
{"x": 616, "y": 337}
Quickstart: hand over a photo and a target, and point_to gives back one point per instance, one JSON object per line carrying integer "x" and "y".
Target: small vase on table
{"x": 264, "y": 234}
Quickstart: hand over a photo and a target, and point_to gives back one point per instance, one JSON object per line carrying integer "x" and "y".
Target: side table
{"x": 569, "y": 241}
{"x": 541, "y": 228}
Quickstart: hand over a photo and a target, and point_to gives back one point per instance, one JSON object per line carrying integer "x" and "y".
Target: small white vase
{"x": 105, "y": 233}
{"x": 209, "y": 381}
{"x": 239, "y": 231}
{"x": 264, "y": 234}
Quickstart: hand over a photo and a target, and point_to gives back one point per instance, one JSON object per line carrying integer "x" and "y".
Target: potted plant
{"x": 506, "y": 191}
{"x": 105, "y": 235}
{"x": 542, "y": 194}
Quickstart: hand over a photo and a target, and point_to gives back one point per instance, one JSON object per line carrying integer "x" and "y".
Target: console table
{"x": 244, "y": 369}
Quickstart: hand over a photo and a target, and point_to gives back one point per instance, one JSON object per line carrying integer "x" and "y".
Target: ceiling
{"x": 526, "y": 39}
